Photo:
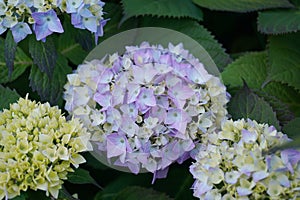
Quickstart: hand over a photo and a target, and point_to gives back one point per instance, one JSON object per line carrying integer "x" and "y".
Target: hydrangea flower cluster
{"x": 147, "y": 107}
{"x": 38, "y": 147}
{"x": 235, "y": 164}
{"x": 17, "y": 15}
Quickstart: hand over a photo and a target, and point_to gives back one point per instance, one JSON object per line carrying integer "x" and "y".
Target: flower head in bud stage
{"x": 235, "y": 165}
{"x": 38, "y": 147}
{"x": 147, "y": 107}
{"x": 18, "y": 15}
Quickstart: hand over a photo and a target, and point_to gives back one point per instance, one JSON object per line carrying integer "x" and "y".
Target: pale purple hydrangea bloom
{"x": 235, "y": 164}
{"x": 153, "y": 102}
{"x": 20, "y": 16}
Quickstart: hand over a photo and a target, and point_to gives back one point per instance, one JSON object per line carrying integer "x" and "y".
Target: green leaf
{"x": 292, "y": 129}
{"x": 115, "y": 14}
{"x": 137, "y": 193}
{"x": 198, "y": 33}
{"x": 284, "y": 59}
{"x": 246, "y": 104}
{"x": 288, "y": 95}
{"x": 181, "y": 180}
{"x": 50, "y": 89}
{"x": 113, "y": 188}
{"x": 85, "y": 39}
{"x": 283, "y": 113}
{"x": 67, "y": 45}
{"x": 44, "y": 54}
{"x": 82, "y": 176}
{"x": 243, "y": 5}
{"x": 277, "y": 22}
{"x": 9, "y": 52}
{"x": 165, "y": 8}
{"x": 251, "y": 67}
{"x": 21, "y": 62}
{"x": 7, "y": 96}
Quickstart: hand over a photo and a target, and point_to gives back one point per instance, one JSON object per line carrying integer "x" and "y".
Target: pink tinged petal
{"x": 116, "y": 146}
{"x": 159, "y": 113}
{"x": 102, "y": 88}
{"x": 129, "y": 126}
{"x": 181, "y": 91}
{"x": 113, "y": 117}
{"x": 177, "y": 119}
{"x": 198, "y": 74}
{"x": 142, "y": 56}
{"x": 106, "y": 76}
{"x": 166, "y": 59}
{"x": 181, "y": 128}
{"x": 130, "y": 110}
{"x": 186, "y": 145}
{"x": 260, "y": 175}
{"x": 142, "y": 157}
{"x": 146, "y": 97}
{"x": 243, "y": 191}
{"x": 143, "y": 75}
{"x": 133, "y": 92}
{"x": 162, "y": 68}
{"x": 118, "y": 94}
{"x": 104, "y": 100}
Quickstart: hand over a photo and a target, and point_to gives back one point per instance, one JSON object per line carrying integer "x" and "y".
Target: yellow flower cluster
{"x": 37, "y": 148}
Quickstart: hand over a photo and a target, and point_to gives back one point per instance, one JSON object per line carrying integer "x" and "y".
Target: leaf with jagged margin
{"x": 137, "y": 193}
{"x": 161, "y": 8}
{"x": 44, "y": 54}
{"x": 286, "y": 94}
{"x": 247, "y": 104}
{"x": 198, "y": 33}
{"x": 67, "y": 45}
{"x": 292, "y": 129}
{"x": 7, "y": 96}
{"x": 283, "y": 112}
{"x": 50, "y": 89}
{"x": 284, "y": 59}
{"x": 242, "y": 5}
{"x": 10, "y": 52}
{"x": 251, "y": 67}
{"x": 277, "y": 22}
{"x": 21, "y": 62}
{"x": 114, "y": 14}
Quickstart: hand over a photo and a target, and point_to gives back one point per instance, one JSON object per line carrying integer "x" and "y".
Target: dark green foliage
{"x": 243, "y": 5}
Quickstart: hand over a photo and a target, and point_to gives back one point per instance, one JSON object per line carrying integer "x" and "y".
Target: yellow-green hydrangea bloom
{"x": 38, "y": 146}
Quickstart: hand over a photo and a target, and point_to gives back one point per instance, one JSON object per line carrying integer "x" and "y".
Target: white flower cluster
{"x": 147, "y": 107}
{"x": 235, "y": 164}
{"x": 37, "y": 147}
